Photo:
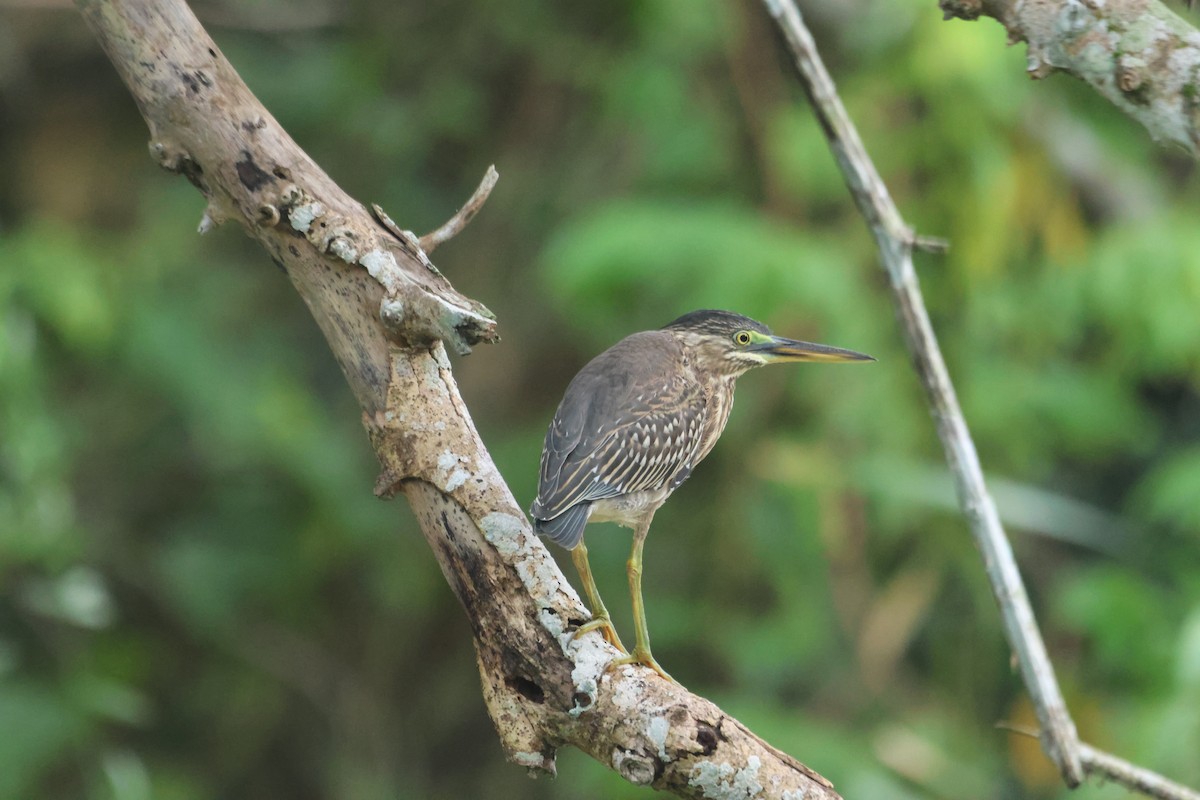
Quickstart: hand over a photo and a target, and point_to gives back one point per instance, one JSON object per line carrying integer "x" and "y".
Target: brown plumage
{"x": 635, "y": 422}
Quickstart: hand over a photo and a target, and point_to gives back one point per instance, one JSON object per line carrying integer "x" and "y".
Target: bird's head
{"x": 728, "y": 343}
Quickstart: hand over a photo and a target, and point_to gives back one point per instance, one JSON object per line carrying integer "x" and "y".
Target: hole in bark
{"x": 706, "y": 737}
{"x": 250, "y": 174}
{"x": 527, "y": 689}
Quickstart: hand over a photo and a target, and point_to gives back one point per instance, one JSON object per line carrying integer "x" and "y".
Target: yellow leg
{"x": 641, "y": 651}
{"x": 600, "y": 619}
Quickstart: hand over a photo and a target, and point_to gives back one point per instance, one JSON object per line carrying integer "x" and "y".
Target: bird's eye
{"x": 742, "y": 338}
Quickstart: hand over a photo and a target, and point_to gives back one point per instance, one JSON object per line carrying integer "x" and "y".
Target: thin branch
{"x": 1019, "y": 730}
{"x": 459, "y": 221}
{"x": 930, "y": 244}
{"x": 1137, "y": 53}
{"x": 1106, "y": 765}
{"x": 388, "y": 316}
{"x": 896, "y": 240}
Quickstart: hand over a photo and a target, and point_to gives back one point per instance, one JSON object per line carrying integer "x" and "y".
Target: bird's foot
{"x": 602, "y": 623}
{"x": 641, "y": 655}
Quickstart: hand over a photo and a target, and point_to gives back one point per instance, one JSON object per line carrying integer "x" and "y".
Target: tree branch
{"x": 386, "y": 312}
{"x": 896, "y": 241}
{"x": 455, "y": 224}
{"x": 1137, "y": 53}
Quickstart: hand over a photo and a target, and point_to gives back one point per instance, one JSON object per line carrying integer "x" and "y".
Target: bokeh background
{"x": 201, "y": 598}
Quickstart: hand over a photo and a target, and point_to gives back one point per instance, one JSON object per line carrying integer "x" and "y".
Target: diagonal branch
{"x": 388, "y": 316}
{"x": 1137, "y": 53}
{"x": 896, "y": 242}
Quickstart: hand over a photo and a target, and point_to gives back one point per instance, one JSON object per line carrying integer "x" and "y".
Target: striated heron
{"x": 633, "y": 425}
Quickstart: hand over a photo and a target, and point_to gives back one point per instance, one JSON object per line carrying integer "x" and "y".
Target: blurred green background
{"x": 201, "y": 598}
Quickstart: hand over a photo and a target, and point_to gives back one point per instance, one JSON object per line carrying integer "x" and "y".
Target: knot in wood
{"x": 1131, "y": 74}
{"x": 268, "y": 215}
{"x": 637, "y": 768}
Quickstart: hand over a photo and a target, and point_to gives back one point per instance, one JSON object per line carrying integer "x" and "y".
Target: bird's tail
{"x": 567, "y": 528}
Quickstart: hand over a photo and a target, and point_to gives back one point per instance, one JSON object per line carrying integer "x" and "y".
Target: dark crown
{"x": 717, "y": 323}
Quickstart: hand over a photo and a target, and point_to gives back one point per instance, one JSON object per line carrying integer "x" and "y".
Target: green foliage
{"x": 1119, "y": 615}
{"x": 49, "y": 728}
{"x": 200, "y": 596}
{"x": 675, "y": 256}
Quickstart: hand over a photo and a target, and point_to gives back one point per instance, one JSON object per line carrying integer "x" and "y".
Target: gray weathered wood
{"x": 387, "y": 314}
{"x": 896, "y": 241}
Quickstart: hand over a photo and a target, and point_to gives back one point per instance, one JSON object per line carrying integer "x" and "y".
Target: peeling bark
{"x": 206, "y": 125}
{"x": 388, "y": 316}
{"x": 895, "y": 241}
{"x": 1137, "y": 53}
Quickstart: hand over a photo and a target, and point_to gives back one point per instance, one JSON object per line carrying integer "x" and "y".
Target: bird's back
{"x": 630, "y": 422}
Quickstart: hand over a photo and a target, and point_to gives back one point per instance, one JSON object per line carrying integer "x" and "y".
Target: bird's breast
{"x": 717, "y": 408}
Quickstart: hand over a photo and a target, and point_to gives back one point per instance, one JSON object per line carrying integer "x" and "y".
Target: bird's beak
{"x": 779, "y": 349}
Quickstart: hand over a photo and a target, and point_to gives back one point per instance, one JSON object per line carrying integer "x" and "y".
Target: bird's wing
{"x": 620, "y": 431}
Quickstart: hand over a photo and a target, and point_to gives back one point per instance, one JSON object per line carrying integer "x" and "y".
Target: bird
{"x": 631, "y": 427}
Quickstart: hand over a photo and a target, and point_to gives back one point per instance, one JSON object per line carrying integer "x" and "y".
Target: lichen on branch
{"x": 1138, "y": 53}
{"x": 389, "y": 316}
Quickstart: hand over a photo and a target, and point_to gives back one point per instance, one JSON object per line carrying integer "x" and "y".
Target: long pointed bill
{"x": 778, "y": 349}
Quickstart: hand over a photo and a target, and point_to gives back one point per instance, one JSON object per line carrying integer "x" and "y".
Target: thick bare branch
{"x": 896, "y": 241}
{"x": 388, "y": 314}
{"x": 1137, "y": 53}
{"x": 206, "y": 125}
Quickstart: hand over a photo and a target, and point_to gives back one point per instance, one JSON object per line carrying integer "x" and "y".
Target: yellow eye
{"x": 742, "y": 338}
